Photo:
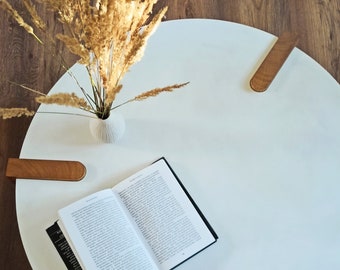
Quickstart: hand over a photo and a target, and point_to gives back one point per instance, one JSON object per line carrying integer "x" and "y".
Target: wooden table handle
{"x": 45, "y": 169}
{"x": 271, "y": 65}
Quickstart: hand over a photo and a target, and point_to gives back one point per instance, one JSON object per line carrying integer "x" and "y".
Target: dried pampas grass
{"x": 7, "y": 113}
{"x": 107, "y": 36}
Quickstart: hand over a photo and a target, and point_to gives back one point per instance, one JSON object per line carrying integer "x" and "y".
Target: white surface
{"x": 263, "y": 167}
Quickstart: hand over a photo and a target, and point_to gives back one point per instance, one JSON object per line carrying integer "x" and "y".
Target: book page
{"x": 165, "y": 215}
{"x": 104, "y": 239}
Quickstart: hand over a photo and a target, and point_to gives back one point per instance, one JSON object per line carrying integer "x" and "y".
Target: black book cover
{"x": 59, "y": 241}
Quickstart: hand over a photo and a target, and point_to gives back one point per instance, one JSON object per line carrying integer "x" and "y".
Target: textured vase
{"x": 109, "y": 130}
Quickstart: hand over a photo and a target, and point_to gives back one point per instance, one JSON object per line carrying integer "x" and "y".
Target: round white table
{"x": 263, "y": 167}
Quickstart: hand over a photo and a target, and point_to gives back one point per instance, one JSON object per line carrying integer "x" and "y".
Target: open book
{"x": 147, "y": 221}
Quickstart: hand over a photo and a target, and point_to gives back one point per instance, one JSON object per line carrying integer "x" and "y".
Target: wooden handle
{"x": 273, "y": 62}
{"x": 45, "y": 169}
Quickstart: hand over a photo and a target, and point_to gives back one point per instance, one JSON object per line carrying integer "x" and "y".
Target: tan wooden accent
{"x": 45, "y": 169}
{"x": 25, "y": 61}
{"x": 273, "y": 62}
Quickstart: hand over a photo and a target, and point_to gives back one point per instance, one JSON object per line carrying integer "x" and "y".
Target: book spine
{"x": 60, "y": 243}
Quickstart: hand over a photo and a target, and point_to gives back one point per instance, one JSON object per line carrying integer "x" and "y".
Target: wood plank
{"x": 273, "y": 62}
{"x": 60, "y": 170}
{"x": 24, "y": 61}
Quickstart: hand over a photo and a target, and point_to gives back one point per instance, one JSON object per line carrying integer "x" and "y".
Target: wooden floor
{"x": 24, "y": 61}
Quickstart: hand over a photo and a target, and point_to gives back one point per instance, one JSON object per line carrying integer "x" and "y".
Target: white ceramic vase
{"x": 109, "y": 130}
